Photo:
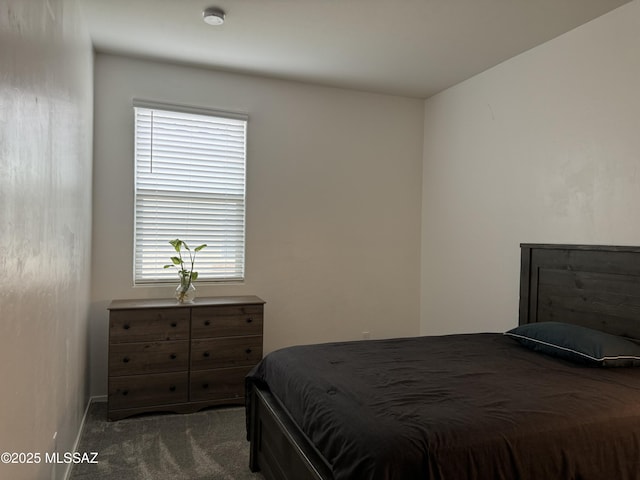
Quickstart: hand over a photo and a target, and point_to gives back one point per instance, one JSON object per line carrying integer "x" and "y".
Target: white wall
{"x": 542, "y": 148}
{"x": 45, "y": 229}
{"x": 333, "y": 202}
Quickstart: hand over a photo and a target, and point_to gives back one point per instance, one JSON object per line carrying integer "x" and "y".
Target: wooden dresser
{"x": 165, "y": 356}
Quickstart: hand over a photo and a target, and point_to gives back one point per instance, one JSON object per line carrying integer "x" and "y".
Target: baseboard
{"x": 100, "y": 398}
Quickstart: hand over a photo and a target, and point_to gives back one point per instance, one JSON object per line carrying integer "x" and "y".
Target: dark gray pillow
{"x": 578, "y": 344}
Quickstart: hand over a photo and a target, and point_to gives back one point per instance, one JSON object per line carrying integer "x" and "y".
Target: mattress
{"x": 476, "y": 406}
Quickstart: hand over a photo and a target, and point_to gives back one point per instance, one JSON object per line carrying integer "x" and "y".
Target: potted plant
{"x": 185, "y": 292}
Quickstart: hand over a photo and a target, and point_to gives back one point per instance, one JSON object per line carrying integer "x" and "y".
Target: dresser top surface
{"x": 173, "y": 303}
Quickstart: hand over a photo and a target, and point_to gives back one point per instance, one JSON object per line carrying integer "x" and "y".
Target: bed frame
{"x": 591, "y": 285}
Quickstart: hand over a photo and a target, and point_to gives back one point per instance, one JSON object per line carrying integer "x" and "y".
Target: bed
{"x": 484, "y": 406}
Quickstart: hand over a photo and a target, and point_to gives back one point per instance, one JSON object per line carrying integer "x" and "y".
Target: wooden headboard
{"x": 595, "y": 286}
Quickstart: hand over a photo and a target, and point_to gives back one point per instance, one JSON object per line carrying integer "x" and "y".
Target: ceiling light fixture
{"x": 213, "y": 16}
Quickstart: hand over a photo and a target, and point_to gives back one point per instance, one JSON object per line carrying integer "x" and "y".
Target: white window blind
{"x": 189, "y": 184}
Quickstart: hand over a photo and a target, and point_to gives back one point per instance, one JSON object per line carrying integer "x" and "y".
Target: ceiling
{"x": 414, "y": 48}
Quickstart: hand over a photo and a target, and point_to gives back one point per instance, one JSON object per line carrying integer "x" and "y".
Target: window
{"x": 190, "y": 170}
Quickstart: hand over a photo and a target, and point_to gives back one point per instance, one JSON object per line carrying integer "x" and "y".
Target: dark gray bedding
{"x": 458, "y": 407}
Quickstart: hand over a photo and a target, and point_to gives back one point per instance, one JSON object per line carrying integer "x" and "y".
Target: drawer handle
{"x": 205, "y": 354}
{"x": 207, "y": 323}
{"x": 126, "y": 326}
{"x": 172, "y": 388}
{"x": 125, "y": 359}
{"x": 173, "y": 356}
{"x": 205, "y": 385}
{"x": 248, "y": 350}
{"x": 249, "y": 320}
{"x": 174, "y": 324}
{"x": 125, "y": 392}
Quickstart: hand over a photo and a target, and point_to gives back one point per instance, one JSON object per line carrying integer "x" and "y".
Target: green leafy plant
{"x": 185, "y": 268}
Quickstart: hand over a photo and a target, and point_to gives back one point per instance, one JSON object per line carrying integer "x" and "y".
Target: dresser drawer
{"x": 152, "y": 367}
{"x": 226, "y": 321}
{"x": 146, "y": 390}
{"x": 149, "y": 325}
{"x": 225, "y": 352}
{"x": 219, "y": 384}
{"x": 150, "y": 357}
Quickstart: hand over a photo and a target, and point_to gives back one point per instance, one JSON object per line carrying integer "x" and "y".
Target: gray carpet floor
{"x": 208, "y": 445}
